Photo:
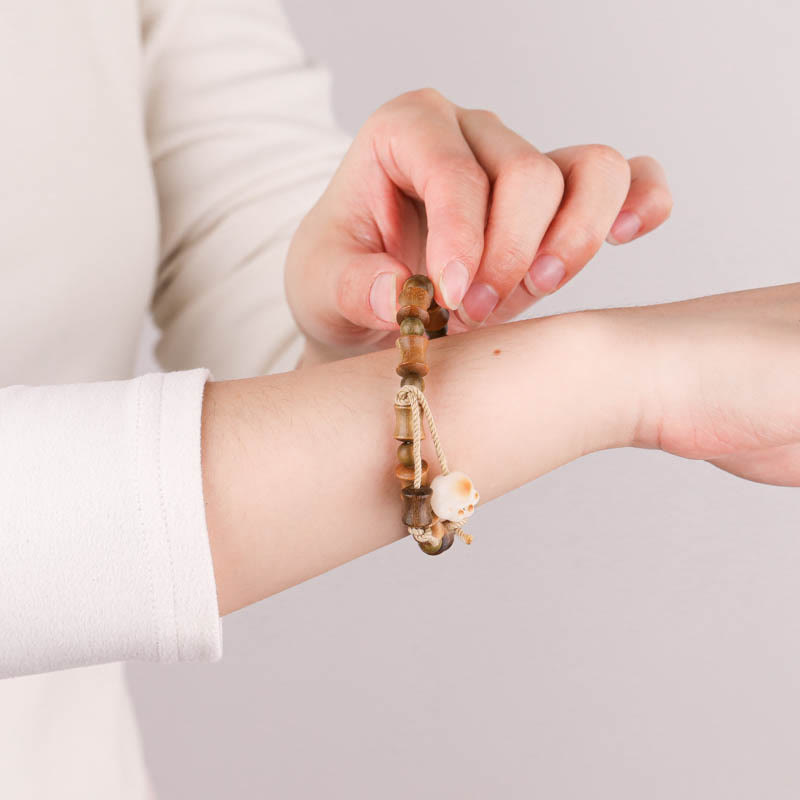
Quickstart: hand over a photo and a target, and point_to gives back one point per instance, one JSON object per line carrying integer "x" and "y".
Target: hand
{"x": 717, "y": 378}
{"x": 429, "y": 186}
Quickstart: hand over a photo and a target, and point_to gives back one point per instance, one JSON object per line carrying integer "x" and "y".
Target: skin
{"x": 428, "y": 185}
{"x": 715, "y": 378}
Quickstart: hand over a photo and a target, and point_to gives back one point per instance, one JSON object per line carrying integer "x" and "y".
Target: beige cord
{"x": 413, "y": 396}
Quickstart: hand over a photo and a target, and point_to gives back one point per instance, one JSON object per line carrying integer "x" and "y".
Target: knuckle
{"x": 661, "y": 198}
{"x": 421, "y": 100}
{"x": 526, "y": 162}
{"x": 553, "y": 175}
{"x": 648, "y": 163}
{"x": 463, "y": 169}
{"x": 426, "y": 96}
{"x": 483, "y": 116}
{"x": 602, "y": 156}
{"x": 537, "y": 168}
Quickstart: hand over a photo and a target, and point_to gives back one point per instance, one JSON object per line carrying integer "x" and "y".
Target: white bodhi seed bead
{"x": 454, "y": 496}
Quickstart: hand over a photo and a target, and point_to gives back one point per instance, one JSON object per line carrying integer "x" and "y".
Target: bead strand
{"x": 419, "y": 315}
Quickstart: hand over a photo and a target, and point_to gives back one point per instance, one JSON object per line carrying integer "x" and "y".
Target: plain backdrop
{"x": 625, "y": 627}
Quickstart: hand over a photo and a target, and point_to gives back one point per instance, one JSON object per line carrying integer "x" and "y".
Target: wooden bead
{"x": 417, "y": 506}
{"x": 403, "y": 424}
{"x": 417, "y": 291}
{"x": 405, "y": 454}
{"x": 437, "y": 318}
{"x": 413, "y": 311}
{"x": 438, "y": 334}
{"x": 412, "y": 326}
{"x": 412, "y": 354}
{"x": 413, "y": 380}
{"x": 447, "y": 541}
{"x": 444, "y": 540}
{"x": 405, "y": 473}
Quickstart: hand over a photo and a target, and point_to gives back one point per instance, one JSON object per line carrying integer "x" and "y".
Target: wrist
{"x": 600, "y": 377}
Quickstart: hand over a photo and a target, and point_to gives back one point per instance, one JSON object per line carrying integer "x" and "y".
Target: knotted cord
{"x": 413, "y": 396}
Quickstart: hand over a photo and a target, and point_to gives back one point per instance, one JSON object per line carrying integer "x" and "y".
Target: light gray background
{"x": 626, "y": 627}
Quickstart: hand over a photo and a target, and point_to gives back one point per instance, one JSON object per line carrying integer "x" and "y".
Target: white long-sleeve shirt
{"x": 154, "y": 155}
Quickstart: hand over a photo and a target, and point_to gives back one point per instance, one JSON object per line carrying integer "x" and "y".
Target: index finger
{"x": 419, "y": 144}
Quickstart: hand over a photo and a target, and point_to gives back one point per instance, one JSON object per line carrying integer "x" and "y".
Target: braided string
{"x": 414, "y": 396}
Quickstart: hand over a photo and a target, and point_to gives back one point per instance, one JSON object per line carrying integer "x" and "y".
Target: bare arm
{"x": 299, "y": 467}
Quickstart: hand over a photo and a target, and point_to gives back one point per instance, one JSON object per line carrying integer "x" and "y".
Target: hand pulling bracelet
{"x": 434, "y": 514}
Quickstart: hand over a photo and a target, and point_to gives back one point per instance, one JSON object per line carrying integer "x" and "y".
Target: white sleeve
{"x": 243, "y": 143}
{"x": 104, "y": 552}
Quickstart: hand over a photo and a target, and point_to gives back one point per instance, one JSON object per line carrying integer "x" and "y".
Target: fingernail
{"x": 625, "y": 227}
{"x": 545, "y": 274}
{"x": 479, "y": 302}
{"x": 453, "y": 283}
{"x": 383, "y": 296}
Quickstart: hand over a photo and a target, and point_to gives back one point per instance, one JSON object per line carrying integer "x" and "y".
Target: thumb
{"x": 367, "y": 290}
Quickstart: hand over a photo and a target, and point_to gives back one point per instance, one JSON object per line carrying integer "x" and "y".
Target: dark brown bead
{"x": 417, "y": 511}
{"x": 431, "y": 548}
{"x": 417, "y": 291}
{"x": 403, "y": 424}
{"x": 438, "y": 334}
{"x": 405, "y": 453}
{"x": 447, "y": 541}
{"x": 413, "y": 380}
{"x": 413, "y": 311}
{"x": 444, "y": 540}
{"x": 406, "y": 473}
{"x": 412, "y": 326}
{"x": 437, "y": 318}
{"x": 412, "y": 354}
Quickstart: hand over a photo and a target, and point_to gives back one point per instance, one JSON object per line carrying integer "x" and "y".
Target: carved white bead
{"x": 454, "y": 496}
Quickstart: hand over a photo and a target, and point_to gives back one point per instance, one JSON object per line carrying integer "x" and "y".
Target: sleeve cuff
{"x": 186, "y": 612}
{"x": 104, "y": 549}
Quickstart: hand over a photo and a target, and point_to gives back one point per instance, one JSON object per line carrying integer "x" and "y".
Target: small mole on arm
{"x": 496, "y": 352}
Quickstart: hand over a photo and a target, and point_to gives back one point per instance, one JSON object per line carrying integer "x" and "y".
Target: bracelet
{"x": 434, "y": 513}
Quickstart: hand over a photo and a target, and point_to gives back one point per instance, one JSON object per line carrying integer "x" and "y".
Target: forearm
{"x": 299, "y": 467}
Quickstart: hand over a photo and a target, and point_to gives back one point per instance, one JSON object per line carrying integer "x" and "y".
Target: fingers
{"x": 526, "y": 191}
{"x": 503, "y": 223}
{"x": 648, "y": 204}
{"x": 597, "y": 182}
{"x": 419, "y": 144}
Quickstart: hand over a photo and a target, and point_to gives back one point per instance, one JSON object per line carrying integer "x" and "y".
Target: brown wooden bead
{"x": 417, "y": 291}
{"x": 405, "y": 473}
{"x": 437, "y": 318}
{"x": 444, "y": 540}
{"x": 417, "y": 511}
{"x": 447, "y": 542}
{"x": 413, "y": 311}
{"x": 431, "y": 548}
{"x": 413, "y": 380}
{"x": 405, "y": 453}
{"x": 412, "y": 354}
{"x": 438, "y": 334}
{"x": 403, "y": 424}
{"x": 412, "y": 326}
